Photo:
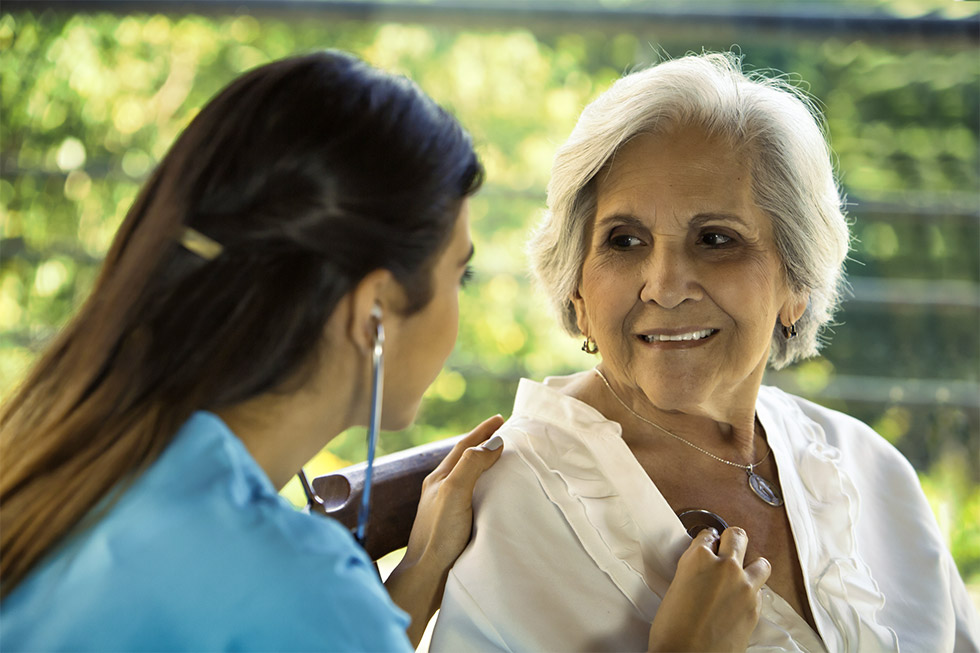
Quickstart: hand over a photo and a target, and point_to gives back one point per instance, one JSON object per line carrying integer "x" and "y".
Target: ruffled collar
{"x": 822, "y": 503}
{"x": 608, "y": 488}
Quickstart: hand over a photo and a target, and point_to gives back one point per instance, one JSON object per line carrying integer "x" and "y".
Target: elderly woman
{"x": 695, "y": 235}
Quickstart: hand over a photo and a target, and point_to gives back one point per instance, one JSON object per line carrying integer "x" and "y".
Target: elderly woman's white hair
{"x": 792, "y": 173}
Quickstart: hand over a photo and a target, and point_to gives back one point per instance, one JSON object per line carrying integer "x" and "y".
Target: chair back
{"x": 395, "y": 491}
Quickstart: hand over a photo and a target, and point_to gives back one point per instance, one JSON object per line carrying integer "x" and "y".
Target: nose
{"x": 669, "y": 276}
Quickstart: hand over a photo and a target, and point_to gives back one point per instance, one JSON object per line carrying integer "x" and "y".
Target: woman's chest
{"x": 724, "y": 490}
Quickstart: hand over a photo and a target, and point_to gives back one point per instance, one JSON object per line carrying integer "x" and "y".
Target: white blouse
{"x": 574, "y": 546}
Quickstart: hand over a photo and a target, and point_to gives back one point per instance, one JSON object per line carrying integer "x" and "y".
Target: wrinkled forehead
{"x": 687, "y": 165}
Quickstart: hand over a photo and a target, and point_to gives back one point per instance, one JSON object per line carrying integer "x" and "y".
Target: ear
{"x": 369, "y": 300}
{"x": 794, "y": 308}
{"x": 581, "y": 315}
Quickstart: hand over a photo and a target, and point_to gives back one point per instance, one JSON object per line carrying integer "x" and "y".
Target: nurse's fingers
{"x": 444, "y": 520}
{"x": 706, "y": 538}
{"x": 477, "y": 436}
{"x": 758, "y": 572}
{"x": 734, "y": 542}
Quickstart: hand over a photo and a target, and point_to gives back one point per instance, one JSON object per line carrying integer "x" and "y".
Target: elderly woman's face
{"x": 681, "y": 285}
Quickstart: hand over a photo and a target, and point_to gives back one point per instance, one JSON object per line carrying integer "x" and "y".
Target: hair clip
{"x": 194, "y": 241}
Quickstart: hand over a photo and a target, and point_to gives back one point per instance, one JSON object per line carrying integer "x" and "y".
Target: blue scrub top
{"x": 201, "y": 553}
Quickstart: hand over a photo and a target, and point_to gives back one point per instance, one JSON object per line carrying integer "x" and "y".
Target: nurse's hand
{"x": 713, "y": 603}
{"x": 442, "y": 525}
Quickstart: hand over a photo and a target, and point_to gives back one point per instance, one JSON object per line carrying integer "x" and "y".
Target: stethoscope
{"x": 313, "y": 501}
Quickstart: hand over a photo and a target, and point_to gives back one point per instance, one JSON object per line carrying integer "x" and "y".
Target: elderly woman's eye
{"x": 713, "y": 239}
{"x": 624, "y": 241}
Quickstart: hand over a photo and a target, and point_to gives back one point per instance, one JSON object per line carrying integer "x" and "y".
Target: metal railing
{"x": 781, "y": 19}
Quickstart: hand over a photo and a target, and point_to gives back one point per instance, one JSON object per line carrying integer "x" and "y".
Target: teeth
{"x": 697, "y": 335}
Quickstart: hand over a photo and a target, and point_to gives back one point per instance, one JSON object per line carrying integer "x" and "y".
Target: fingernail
{"x": 493, "y": 443}
{"x": 712, "y": 532}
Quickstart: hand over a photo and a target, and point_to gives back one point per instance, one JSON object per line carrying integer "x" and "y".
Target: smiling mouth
{"x": 680, "y": 337}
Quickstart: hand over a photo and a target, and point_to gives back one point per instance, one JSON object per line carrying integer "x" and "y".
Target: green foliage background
{"x": 91, "y": 102}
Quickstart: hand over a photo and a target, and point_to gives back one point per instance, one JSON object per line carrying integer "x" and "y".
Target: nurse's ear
{"x": 369, "y": 303}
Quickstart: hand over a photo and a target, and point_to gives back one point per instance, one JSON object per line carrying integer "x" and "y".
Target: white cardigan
{"x": 574, "y": 546}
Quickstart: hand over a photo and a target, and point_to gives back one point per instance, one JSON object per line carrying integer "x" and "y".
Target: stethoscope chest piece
{"x": 695, "y": 521}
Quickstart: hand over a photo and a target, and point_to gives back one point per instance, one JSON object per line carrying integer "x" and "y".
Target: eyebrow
{"x": 702, "y": 218}
{"x": 468, "y": 257}
{"x": 623, "y": 218}
{"x": 697, "y": 220}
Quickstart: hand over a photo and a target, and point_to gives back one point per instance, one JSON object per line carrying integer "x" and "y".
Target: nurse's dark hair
{"x": 311, "y": 172}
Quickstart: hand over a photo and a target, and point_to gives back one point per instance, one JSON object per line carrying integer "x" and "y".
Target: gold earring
{"x": 590, "y": 346}
{"x": 789, "y": 332}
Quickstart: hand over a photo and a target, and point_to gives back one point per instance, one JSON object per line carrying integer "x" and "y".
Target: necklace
{"x": 759, "y": 486}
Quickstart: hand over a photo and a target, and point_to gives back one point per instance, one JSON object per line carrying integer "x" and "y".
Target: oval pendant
{"x": 764, "y": 490}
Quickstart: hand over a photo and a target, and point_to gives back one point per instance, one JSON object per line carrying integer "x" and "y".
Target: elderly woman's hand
{"x": 442, "y": 525}
{"x": 713, "y": 603}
